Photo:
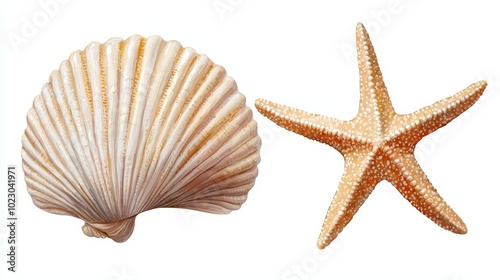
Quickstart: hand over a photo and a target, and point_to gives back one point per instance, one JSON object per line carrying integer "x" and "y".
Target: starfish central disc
{"x": 377, "y": 145}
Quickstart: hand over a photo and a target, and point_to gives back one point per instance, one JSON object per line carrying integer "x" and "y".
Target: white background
{"x": 296, "y": 53}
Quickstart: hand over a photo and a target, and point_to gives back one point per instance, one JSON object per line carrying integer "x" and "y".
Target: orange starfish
{"x": 377, "y": 145}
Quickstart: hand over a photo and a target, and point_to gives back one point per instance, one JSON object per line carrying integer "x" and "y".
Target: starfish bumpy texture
{"x": 377, "y": 145}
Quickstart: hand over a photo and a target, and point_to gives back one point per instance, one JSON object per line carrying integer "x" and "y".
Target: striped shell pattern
{"x": 132, "y": 125}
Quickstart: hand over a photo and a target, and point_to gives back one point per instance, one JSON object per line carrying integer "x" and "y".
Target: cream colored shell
{"x": 132, "y": 125}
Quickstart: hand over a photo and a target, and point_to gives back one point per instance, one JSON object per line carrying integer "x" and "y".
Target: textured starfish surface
{"x": 377, "y": 145}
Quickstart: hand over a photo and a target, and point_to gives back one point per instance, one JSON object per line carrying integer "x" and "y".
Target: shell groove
{"x": 132, "y": 125}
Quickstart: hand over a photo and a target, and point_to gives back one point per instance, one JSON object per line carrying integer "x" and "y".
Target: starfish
{"x": 378, "y": 144}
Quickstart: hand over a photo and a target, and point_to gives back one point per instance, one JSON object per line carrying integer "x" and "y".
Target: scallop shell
{"x": 132, "y": 125}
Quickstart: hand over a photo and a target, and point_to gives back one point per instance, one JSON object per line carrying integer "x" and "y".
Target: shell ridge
{"x": 160, "y": 77}
{"x": 248, "y": 150}
{"x": 191, "y": 98}
{"x": 221, "y": 167}
{"x": 60, "y": 110}
{"x": 84, "y": 91}
{"x": 198, "y": 105}
{"x": 41, "y": 199}
{"x": 44, "y": 177}
{"x": 163, "y": 121}
{"x": 177, "y": 100}
{"x": 144, "y": 93}
{"x": 54, "y": 127}
{"x": 111, "y": 74}
{"x": 67, "y": 104}
{"x": 128, "y": 62}
{"x": 81, "y": 114}
{"x": 215, "y": 74}
{"x": 146, "y": 80}
{"x": 91, "y": 60}
{"x": 216, "y": 185}
{"x": 222, "y": 117}
{"x": 59, "y": 155}
{"x": 207, "y": 111}
{"x": 186, "y": 105}
{"x": 222, "y": 138}
{"x": 183, "y": 102}
{"x": 218, "y": 95}
{"x": 103, "y": 135}
{"x": 202, "y": 159}
{"x": 133, "y": 126}
{"x": 48, "y": 154}
{"x": 247, "y": 155}
{"x": 167, "y": 63}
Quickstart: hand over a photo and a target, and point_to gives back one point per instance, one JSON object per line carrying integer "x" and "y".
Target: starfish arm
{"x": 330, "y": 131}
{"x": 357, "y": 183}
{"x": 411, "y": 181}
{"x": 428, "y": 119}
{"x": 373, "y": 91}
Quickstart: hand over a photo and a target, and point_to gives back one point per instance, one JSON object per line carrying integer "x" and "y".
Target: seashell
{"x": 132, "y": 125}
